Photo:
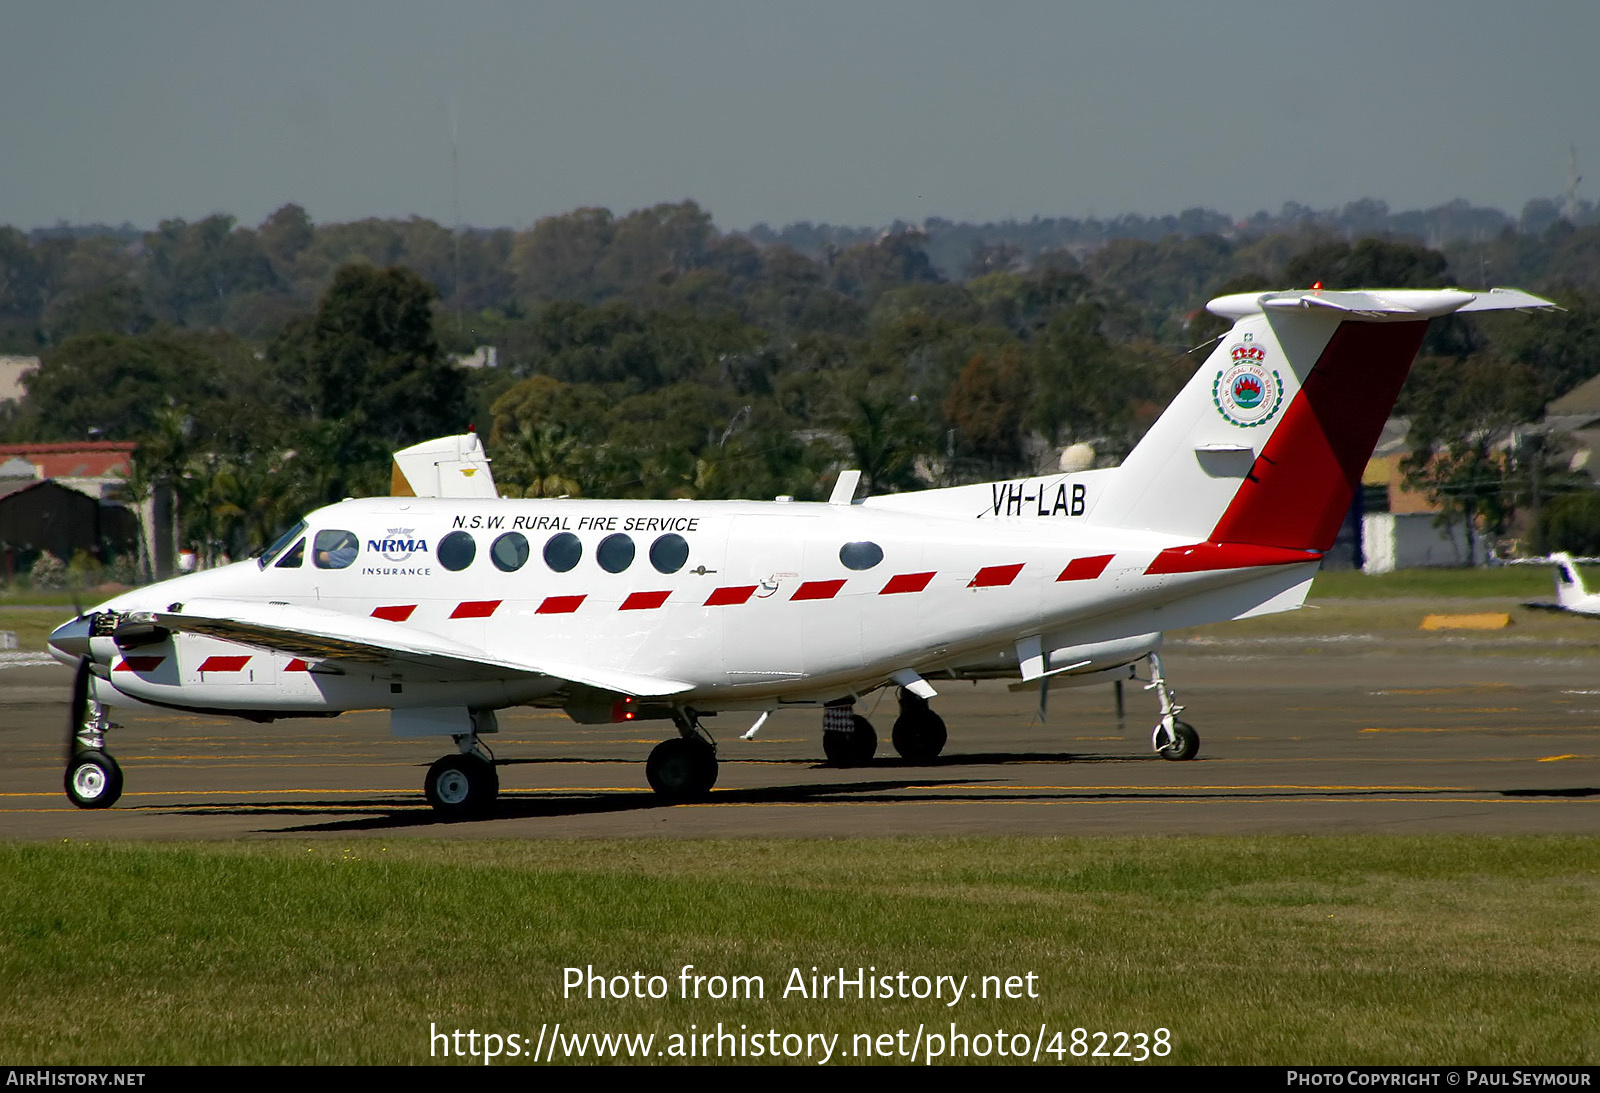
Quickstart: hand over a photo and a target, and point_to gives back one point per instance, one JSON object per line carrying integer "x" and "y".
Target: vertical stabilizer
{"x": 451, "y": 466}
{"x": 1570, "y": 588}
{"x": 1266, "y": 443}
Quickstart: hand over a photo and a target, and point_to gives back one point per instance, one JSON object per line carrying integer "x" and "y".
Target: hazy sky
{"x": 851, "y": 112}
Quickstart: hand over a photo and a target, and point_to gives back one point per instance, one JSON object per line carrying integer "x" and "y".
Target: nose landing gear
{"x": 93, "y": 779}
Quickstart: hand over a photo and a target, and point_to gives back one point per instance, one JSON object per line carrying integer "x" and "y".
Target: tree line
{"x": 267, "y": 370}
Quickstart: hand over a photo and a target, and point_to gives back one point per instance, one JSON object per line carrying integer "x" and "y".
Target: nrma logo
{"x": 397, "y": 545}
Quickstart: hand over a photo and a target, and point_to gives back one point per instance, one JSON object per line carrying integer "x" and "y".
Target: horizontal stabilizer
{"x": 1378, "y": 305}
{"x": 317, "y": 633}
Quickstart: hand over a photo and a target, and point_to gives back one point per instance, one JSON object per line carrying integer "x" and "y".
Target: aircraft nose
{"x": 70, "y": 640}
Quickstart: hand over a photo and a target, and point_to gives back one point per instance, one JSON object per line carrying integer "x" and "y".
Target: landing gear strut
{"x": 848, "y": 739}
{"x": 465, "y": 784}
{"x": 685, "y": 768}
{"x": 93, "y": 779}
{"x": 919, "y": 734}
{"x": 1171, "y": 738}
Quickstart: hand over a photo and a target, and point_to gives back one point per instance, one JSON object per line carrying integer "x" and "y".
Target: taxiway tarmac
{"x": 1375, "y": 741}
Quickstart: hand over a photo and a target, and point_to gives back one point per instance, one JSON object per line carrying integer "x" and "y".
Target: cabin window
{"x": 860, "y": 555}
{"x": 563, "y": 551}
{"x": 615, "y": 553}
{"x": 509, "y": 552}
{"x": 335, "y": 549}
{"x": 282, "y": 541}
{"x": 293, "y": 556}
{"x": 669, "y": 552}
{"x": 457, "y": 550}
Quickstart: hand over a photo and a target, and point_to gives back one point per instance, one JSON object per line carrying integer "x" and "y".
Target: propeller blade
{"x": 80, "y": 705}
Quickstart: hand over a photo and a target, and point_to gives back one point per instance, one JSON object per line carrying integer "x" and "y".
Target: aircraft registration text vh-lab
{"x": 679, "y": 610}
{"x": 1038, "y": 497}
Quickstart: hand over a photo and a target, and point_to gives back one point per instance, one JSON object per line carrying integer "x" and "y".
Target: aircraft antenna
{"x": 1569, "y": 206}
{"x": 455, "y": 209}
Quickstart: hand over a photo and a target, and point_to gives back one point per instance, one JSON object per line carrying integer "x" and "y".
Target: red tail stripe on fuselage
{"x": 1297, "y": 493}
{"x": 1204, "y": 557}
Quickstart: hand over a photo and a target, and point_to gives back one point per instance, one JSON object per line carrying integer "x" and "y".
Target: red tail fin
{"x": 1300, "y": 487}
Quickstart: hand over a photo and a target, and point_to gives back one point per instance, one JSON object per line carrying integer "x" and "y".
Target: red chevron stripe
{"x": 475, "y": 609}
{"x": 995, "y": 576}
{"x": 818, "y": 590}
{"x": 139, "y": 664}
{"x": 398, "y": 613}
{"x": 560, "y": 605}
{"x": 224, "y": 664}
{"x": 735, "y": 594}
{"x": 644, "y": 601}
{"x": 1086, "y": 569}
{"x": 906, "y": 582}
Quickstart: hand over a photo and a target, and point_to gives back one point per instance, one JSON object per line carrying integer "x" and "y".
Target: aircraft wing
{"x": 321, "y": 634}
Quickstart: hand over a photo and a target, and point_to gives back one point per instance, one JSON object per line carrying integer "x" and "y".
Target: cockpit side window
{"x": 280, "y": 542}
{"x": 293, "y": 556}
{"x": 335, "y": 549}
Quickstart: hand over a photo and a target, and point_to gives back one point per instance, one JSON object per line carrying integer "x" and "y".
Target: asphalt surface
{"x": 1331, "y": 741}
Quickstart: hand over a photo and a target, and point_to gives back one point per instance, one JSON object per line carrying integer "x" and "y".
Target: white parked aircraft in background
{"x": 451, "y": 604}
{"x": 1571, "y": 593}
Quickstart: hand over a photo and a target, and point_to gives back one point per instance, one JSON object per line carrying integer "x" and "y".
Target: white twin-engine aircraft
{"x": 449, "y": 604}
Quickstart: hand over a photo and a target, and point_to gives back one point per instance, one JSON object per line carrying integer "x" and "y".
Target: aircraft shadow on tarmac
{"x": 394, "y": 813}
{"x": 970, "y": 759}
{"x": 389, "y": 813}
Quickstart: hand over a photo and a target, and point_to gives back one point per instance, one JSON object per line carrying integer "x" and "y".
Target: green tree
{"x": 368, "y": 358}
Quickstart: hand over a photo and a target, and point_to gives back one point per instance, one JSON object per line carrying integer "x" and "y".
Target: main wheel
{"x": 681, "y": 769}
{"x": 93, "y": 780}
{"x": 919, "y": 737}
{"x": 462, "y": 785}
{"x": 851, "y": 749}
{"x": 1187, "y": 746}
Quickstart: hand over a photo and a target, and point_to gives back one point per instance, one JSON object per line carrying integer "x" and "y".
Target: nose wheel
{"x": 93, "y": 780}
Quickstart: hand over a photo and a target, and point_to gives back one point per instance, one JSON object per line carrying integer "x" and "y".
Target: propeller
{"x": 80, "y": 705}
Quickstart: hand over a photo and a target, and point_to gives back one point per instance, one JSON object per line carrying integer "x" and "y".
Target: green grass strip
{"x": 1336, "y": 950}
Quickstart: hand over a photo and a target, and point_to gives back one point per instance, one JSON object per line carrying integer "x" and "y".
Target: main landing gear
{"x": 93, "y": 779}
{"x": 685, "y": 768}
{"x": 919, "y": 734}
{"x": 1171, "y": 738}
{"x": 465, "y": 785}
{"x": 849, "y": 740}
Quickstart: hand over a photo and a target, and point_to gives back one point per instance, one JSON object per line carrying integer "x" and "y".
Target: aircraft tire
{"x": 681, "y": 769}
{"x": 462, "y": 785}
{"x": 851, "y": 749}
{"x": 919, "y": 737}
{"x": 1187, "y": 745}
{"x": 93, "y": 779}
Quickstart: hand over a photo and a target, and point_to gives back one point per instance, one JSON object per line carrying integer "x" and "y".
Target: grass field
{"x": 1272, "y": 950}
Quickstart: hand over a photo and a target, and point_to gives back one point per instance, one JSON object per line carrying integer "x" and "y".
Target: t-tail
{"x": 1570, "y": 589}
{"x": 1260, "y": 454}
